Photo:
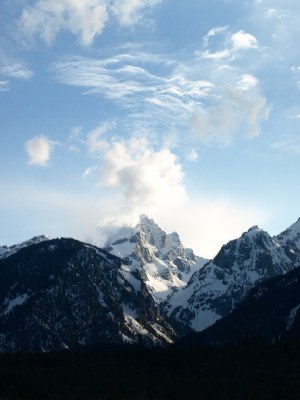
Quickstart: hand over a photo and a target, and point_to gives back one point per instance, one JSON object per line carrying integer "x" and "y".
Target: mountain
{"x": 6, "y": 251}
{"x": 271, "y": 310}
{"x": 160, "y": 258}
{"x": 145, "y": 287}
{"x": 63, "y": 294}
{"x": 215, "y": 290}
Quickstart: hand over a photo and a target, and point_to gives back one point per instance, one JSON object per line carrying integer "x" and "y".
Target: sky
{"x": 186, "y": 111}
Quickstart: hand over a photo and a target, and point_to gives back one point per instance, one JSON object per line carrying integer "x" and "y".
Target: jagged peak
{"x": 254, "y": 231}
{"x": 253, "y": 228}
{"x": 147, "y": 223}
{"x": 143, "y": 218}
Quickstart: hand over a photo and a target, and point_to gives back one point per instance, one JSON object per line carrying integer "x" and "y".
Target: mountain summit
{"x": 161, "y": 258}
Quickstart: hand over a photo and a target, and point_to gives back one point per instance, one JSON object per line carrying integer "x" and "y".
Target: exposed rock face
{"x": 161, "y": 258}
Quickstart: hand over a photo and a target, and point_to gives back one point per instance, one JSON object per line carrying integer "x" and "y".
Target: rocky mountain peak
{"x": 162, "y": 258}
{"x": 253, "y": 229}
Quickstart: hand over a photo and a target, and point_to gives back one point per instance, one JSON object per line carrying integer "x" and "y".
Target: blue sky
{"x": 187, "y": 111}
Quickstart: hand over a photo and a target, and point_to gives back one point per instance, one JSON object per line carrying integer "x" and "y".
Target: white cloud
{"x": 152, "y": 182}
{"x": 220, "y": 44}
{"x": 39, "y": 150}
{"x": 117, "y": 80}
{"x": 217, "y": 55}
{"x": 85, "y": 19}
{"x": 239, "y": 110}
{"x": 15, "y": 70}
{"x": 89, "y": 171}
{"x": 146, "y": 178}
{"x": 94, "y": 141}
{"x": 218, "y": 111}
{"x": 213, "y": 32}
{"x": 46, "y": 18}
{"x": 129, "y": 12}
{"x": 139, "y": 177}
{"x": 247, "y": 82}
{"x": 12, "y": 70}
{"x": 243, "y": 40}
{"x": 124, "y": 80}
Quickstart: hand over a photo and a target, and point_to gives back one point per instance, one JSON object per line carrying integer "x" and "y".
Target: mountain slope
{"x": 215, "y": 290}
{"x": 63, "y": 294}
{"x": 161, "y": 258}
{"x": 289, "y": 240}
{"x": 271, "y": 310}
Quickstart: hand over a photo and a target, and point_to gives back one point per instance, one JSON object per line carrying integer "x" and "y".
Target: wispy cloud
{"x": 16, "y": 71}
{"x": 289, "y": 146}
{"x": 129, "y": 12}
{"x": 95, "y": 142}
{"x": 10, "y": 70}
{"x": 45, "y": 19}
{"x": 39, "y": 149}
{"x": 191, "y": 155}
{"x": 127, "y": 81}
{"x": 167, "y": 92}
{"x": 4, "y": 86}
{"x": 85, "y": 19}
{"x": 237, "y": 112}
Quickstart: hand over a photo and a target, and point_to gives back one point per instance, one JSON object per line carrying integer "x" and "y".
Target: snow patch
{"x": 17, "y": 301}
{"x": 291, "y": 317}
{"x": 204, "y": 319}
{"x": 128, "y": 311}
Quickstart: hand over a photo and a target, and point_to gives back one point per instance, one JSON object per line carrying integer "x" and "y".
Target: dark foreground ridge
{"x": 250, "y": 370}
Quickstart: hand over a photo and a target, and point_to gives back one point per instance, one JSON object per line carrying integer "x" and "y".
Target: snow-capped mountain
{"x": 160, "y": 258}
{"x": 62, "y": 293}
{"x": 144, "y": 287}
{"x": 271, "y": 310}
{"x": 216, "y": 289}
{"x": 6, "y": 251}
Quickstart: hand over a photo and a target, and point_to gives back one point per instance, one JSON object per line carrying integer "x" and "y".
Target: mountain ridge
{"x": 214, "y": 291}
{"x": 158, "y": 289}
